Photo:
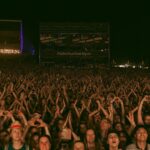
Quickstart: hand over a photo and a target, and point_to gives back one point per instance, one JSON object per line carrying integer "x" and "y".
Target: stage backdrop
{"x": 74, "y": 43}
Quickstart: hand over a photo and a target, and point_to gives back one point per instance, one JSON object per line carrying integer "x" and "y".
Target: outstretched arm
{"x": 45, "y": 126}
{"x": 75, "y": 108}
{"x": 130, "y": 117}
{"x": 95, "y": 111}
{"x": 10, "y": 115}
{"x": 65, "y": 93}
{"x": 23, "y": 118}
{"x": 140, "y": 119}
{"x": 122, "y": 110}
{"x": 105, "y": 112}
{"x": 2, "y": 95}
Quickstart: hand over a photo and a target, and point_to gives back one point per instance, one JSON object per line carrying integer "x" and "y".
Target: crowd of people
{"x": 61, "y": 109}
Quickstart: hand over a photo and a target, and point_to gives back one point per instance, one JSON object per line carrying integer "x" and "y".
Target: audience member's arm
{"x": 65, "y": 93}
{"x": 122, "y": 110}
{"x": 75, "y": 108}
{"x": 45, "y": 126}
{"x": 130, "y": 117}
{"x": 95, "y": 111}
{"x": 23, "y": 118}
{"x": 2, "y": 94}
{"x": 140, "y": 119}
{"x": 10, "y": 115}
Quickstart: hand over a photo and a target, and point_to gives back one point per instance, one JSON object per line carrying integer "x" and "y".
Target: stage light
{"x": 9, "y": 51}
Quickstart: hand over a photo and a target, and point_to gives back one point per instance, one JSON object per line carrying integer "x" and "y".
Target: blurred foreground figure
{"x": 16, "y": 138}
{"x": 141, "y": 137}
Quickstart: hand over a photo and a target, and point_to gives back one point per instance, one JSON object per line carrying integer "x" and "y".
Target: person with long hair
{"x": 91, "y": 140}
{"x": 44, "y": 143}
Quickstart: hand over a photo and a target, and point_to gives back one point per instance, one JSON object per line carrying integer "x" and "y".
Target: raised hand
{"x": 58, "y": 95}
{"x": 31, "y": 122}
{"x": 83, "y": 104}
{"x": 9, "y": 114}
{"x": 41, "y": 123}
{"x": 75, "y": 103}
{"x": 57, "y": 112}
{"x": 1, "y": 113}
{"x": 146, "y": 98}
{"x": 130, "y": 117}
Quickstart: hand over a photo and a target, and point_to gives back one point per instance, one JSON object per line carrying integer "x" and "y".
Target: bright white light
{"x": 133, "y": 66}
{"x": 126, "y": 65}
{"x": 140, "y": 66}
{"x": 9, "y": 51}
{"x": 122, "y": 66}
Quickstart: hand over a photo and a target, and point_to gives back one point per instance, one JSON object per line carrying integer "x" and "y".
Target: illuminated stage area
{"x": 9, "y": 51}
{"x": 11, "y": 37}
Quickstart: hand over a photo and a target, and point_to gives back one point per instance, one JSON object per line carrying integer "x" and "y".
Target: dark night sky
{"x": 129, "y": 21}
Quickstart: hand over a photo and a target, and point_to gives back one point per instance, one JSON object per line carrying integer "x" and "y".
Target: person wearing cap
{"x": 17, "y": 142}
{"x": 141, "y": 136}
